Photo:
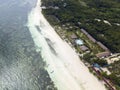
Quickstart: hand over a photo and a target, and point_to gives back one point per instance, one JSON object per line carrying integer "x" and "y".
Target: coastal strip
{"x": 65, "y": 69}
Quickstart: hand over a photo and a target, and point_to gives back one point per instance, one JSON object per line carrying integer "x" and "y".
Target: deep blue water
{"x": 21, "y": 67}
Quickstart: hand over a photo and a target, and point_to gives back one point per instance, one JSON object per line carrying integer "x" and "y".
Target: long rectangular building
{"x": 88, "y": 35}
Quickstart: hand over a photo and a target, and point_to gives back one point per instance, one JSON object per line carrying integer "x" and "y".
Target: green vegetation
{"x": 114, "y": 79}
{"x": 91, "y": 59}
{"x": 86, "y": 12}
{"x": 100, "y": 18}
{"x": 115, "y": 69}
{"x": 94, "y": 47}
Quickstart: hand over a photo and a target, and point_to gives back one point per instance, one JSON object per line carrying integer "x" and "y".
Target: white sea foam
{"x": 65, "y": 69}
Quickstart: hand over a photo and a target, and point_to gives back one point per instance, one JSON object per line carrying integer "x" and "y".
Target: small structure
{"x": 113, "y": 58}
{"x": 107, "y": 22}
{"x": 103, "y": 54}
{"x": 117, "y": 24}
{"x": 56, "y": 7}
{"x": 65, "y": 4}
{"x": 84, "y": 48}
{"x": 79, "y": 42}
{"x": 97, "y": 20}
{"x": 73, "y": 36}
{"x": 43, "y": 7}
{"x": 79, "y": 23}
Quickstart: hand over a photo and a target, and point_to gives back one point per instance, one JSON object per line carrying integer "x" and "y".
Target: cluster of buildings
{"x": 96, "y": 67}
{"x": 114, "y": 57}
{"x": 106, "y": 52}
{"x": 79, "y": 42}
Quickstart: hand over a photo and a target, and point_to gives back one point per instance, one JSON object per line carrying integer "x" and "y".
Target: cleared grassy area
{"x": 95, "y": 48}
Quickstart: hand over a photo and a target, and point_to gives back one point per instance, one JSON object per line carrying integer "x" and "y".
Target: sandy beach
{"x": 63, "y": 64}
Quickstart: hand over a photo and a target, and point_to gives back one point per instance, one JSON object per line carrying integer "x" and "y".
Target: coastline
{"x": 65, "y": 69}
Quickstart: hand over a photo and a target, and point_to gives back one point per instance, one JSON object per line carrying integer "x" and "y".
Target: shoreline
{"x": 65, "y": 69}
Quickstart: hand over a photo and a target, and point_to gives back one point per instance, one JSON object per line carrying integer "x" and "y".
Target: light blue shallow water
{"x": 21, "y": 67}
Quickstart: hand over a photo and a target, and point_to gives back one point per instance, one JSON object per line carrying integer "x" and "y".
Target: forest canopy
{"x": 100, "y": 18}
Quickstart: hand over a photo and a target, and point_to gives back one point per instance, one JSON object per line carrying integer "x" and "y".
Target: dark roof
{"x": 83, "y": 48}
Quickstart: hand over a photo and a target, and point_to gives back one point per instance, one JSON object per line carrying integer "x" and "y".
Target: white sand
{"x": 65, "y": 69}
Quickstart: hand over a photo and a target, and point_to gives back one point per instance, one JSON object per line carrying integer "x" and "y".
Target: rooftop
{"x": 79, "y": 42}
{"x": 83, "y": 48}
{"x": 73, "y": 36}
{"x": 103, "y": 54}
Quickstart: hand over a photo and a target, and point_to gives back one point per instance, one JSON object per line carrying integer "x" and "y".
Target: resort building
{"x": 88, "y": 35}
{"x": 102, "y": 46}
{"x": 73, "y": 36}
{"x": 103, "y": 54}
{"x": 84, "y": 48}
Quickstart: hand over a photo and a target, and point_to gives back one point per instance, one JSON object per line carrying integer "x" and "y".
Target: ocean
{"x": 21, "y": 66}
{"x": 33, "y": 56}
